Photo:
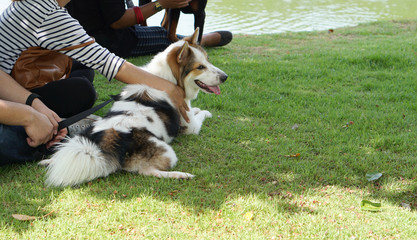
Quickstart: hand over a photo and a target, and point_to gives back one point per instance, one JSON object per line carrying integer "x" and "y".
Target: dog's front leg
{"x": 197, "y": 118}
{"x": 199, "y": 19}
{"x": 170, "y": 23}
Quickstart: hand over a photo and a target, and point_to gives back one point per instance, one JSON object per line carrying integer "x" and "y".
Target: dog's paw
{"x": 168, "y": 174}
{"x": 205, "y": 113}
{"x": 182, "y": 175}
{"x": 45, "y": 162}
{"x": 196, "y": 111}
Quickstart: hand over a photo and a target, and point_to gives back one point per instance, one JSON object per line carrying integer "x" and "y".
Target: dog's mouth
{"x": 209, "y": 89}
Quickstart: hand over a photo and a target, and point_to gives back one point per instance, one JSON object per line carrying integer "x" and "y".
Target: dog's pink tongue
{"x": 215, "y": 89}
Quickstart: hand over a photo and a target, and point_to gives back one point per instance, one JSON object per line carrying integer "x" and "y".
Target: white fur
{"x": 80, "y": 160}
{"x": 159, "y": 66}
{"x": 136, "y": 117}
{"x": 77, "y": 161}
{"x": 138, "y": 89}
{"x": 169, "y": 153}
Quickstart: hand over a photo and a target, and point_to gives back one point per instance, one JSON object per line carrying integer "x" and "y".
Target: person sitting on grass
{"x": 116, "y": 28}
{"x": 24, "y": 127}
{"x": 47, "y": 24}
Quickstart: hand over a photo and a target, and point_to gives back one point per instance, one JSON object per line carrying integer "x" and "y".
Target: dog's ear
{"x": 183, "y": 52}
{"x": 193, "y": 38}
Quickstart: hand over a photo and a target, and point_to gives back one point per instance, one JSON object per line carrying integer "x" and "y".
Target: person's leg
{"x": 68, "y": 97}
{"x": 216, "y": 39}
{"x": 14, "y": 148}
{"x": 151, "y": 40}
{"x": 81, "y": 71}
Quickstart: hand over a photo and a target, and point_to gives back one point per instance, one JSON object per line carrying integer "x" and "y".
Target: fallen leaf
{"x": 373, "y": 176}
{"x": 370, "y": 206}
{"x": 21, "y": 217}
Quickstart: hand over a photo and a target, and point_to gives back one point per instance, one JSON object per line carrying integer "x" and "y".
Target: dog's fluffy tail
{"x": 77, "y": 161}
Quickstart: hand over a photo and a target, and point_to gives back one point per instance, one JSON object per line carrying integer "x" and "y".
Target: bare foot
{"x": 216, "y": 39}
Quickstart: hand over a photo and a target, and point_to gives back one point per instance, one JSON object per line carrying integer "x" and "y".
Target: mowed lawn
{"x": 301, "y": 121}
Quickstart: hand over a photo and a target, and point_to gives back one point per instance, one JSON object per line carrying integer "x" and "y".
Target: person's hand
{"x": 39, "y": 130}
{"x": 57, "y": 138}
{"x": 177, "y": 94}
{"x": 54, "y": 119}
{"x": 52, "y": 116}
{"x": 131, "y": 74}
{"x": 174, "y": 3}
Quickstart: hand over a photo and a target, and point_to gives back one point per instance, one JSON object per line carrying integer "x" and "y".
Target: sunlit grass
{"x": 300, "y": 121}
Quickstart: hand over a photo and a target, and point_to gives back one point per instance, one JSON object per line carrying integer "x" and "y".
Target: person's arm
{"x": 37, "y": 126}
{"x": 129, "y": 17}
{"x": 131, "y": 74}
{"x": 14, "y": 112}
{"x": 13, "y": 92}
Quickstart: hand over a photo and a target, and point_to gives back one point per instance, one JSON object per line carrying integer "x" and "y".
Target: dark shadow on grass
{"x": 23, "y": 192}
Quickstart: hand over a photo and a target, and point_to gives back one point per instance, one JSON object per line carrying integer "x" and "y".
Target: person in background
{"x": 47, "y": 24}
{"x": 116, "y": 28}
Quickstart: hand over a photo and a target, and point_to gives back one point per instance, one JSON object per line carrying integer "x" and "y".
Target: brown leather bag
{"x": 38, "y": 66}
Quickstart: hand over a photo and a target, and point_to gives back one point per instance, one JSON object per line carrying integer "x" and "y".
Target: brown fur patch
{"x": 145, "y": 96}
{"x": 109, "y": 140}
{"x": 164, "y": 118}
{"x": 175, "y": 66}
{"x": 138, "y": 98}
{"x": 148, "y": 155}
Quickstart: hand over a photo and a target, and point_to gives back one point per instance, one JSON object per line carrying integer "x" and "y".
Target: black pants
{"x": 70, "y": 96}
{"x": 66, "y": 97}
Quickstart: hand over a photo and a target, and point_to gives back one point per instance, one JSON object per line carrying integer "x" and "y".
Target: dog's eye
{"x": 201, "y": 67}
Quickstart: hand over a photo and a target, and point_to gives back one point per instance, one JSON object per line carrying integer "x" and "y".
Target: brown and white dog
{"x": 135, "y": 134}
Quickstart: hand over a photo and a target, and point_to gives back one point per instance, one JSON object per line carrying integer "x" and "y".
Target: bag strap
{"x": 71, "y": 120}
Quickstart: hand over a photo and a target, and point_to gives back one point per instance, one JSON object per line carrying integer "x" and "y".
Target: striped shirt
{"x": 44, "y": 23}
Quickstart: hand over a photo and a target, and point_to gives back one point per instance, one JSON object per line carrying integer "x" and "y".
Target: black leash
{"x": 71, "y": 120}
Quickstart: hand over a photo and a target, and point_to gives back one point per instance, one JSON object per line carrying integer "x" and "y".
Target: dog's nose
{"x": 223, "y": 77}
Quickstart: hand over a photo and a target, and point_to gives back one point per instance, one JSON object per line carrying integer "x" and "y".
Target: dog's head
{"x": 192, "y": 70}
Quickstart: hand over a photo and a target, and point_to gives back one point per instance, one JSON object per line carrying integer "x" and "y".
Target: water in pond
{"x": 276, "y": 16}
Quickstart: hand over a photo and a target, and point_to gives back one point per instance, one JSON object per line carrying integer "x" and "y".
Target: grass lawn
{"x": 301, "y": 121}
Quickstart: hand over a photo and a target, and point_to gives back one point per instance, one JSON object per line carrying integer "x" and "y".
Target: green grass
{"x": 345, "y": 101}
